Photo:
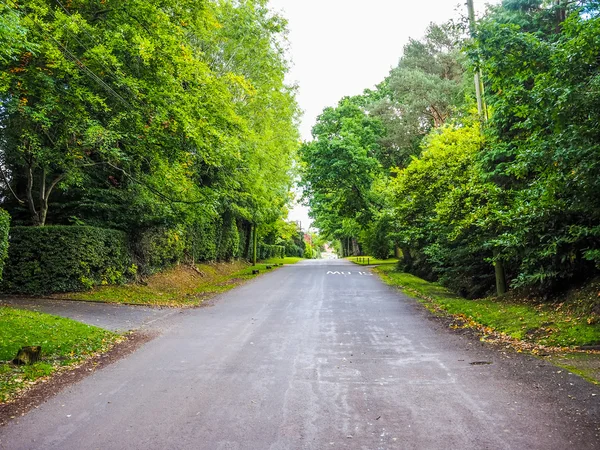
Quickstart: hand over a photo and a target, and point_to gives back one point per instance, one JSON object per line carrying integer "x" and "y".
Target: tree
{"x": 339, "y": 168}
{"x": 421, "y": 93}
{"x": 540, "y": 73}
{"x": 146, "y": 114}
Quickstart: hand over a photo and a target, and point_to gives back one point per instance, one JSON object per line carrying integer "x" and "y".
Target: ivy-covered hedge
{"x": 266, "y": 251}
{"x": 43, "y": 260}
{"x": 4, "y": 227}
{"x": 158, "y": 248}
{"x": 229, "y": 242}
{"x": 202, "y": 240}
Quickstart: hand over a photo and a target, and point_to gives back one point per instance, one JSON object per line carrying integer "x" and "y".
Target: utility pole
{"x": 254, "y": 242}
{"x": 482, "y": 109}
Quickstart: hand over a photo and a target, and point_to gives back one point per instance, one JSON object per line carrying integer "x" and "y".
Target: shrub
{"x": 158, "y": 248}
{"x": 229, "y": 244}
{"x": 202, "y": 240}
{"x": 4, "y": 227}
{"x": 266, "y": 251}
{"x": 49, "y": 259}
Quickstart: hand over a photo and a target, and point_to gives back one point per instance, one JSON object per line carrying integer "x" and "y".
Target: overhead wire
{"x": 82, "y": 66}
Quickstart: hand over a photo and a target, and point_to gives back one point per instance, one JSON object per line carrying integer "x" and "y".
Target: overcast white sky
{"x": 342, "y": 47}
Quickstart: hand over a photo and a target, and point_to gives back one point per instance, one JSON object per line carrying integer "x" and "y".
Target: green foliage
{"x": 541, "y": 69}
{"x": 444, "y": 212}
{"x": 4, "y": 231}
{"x": 229, "y": 243}
{"x": 147, "y": 116}
{"x": 340, "y": 167}
{"x": 266, "y": 251}
{"x": 427, "y": 88}
{"x": 44, "y": 260}
{"x": 377, "y": 238}
{"x": 202, "y": 239}
{"x": 158, "y": 248}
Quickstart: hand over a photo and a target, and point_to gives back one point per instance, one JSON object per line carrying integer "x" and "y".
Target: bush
{"x": 202, "y": 240}
{"x": 229, "y": 244}
{"x": 4, "y": 227}
{"x": 158, "y": 248}
{"x": 43, "y": 260}
{"x": 266, "y": 251}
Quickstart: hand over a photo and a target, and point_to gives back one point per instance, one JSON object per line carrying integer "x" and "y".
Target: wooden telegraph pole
{"x": 482, "y": 109}
{"x": 254, "y": 242}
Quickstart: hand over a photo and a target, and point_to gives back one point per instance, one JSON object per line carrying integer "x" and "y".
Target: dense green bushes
{"x": 4, "y": 227}
{"x": 507, "y": 198}
{"x": 158, "y": 248}
{"x": 65, "y": 258}
{"x": 49, "y": 259}
{"x": 266, "y": 251}
{"x": 229, "y": 240}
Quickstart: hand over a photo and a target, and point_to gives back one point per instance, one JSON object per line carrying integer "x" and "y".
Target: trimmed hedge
{"x": 229, "y": 242}
{"x": 4, "y": 227}
{"x": 158, "y": 248}
{"x": 266, "y": 251}
{"x": 43, "y": 260}
{"x": 202, "y": 240}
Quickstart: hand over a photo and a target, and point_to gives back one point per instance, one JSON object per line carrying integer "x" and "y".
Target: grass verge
{"x": 542, "y": 329}
{"x": 369, "y": 260}
{"x": 543, "y": 325}
{"x": 64, "y": 343}
{"x": 180, "y": 286}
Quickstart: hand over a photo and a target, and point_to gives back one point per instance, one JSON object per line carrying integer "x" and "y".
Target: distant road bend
{"x": 319, "y": 355}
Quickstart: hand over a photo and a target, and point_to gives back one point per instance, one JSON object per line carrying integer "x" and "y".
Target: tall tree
{"x": 340, "y": 166}
{"x": 421, "y": 93}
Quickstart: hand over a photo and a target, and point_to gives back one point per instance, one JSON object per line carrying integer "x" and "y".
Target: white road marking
{"x": 329, "y": 272}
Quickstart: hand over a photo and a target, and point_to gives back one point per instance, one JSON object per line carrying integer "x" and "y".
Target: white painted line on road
{"x": 329, "y": 272}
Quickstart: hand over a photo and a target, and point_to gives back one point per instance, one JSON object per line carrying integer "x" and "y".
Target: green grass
{"x": 369, "y": 260}
{"x": 64, "y": 342}
{"x": 538, "y": 324}
{"x": 585, "y": 365}
{"x": 181, "y": 286}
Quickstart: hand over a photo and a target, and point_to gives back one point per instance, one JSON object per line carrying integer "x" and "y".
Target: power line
{"x": 102, "y": 61}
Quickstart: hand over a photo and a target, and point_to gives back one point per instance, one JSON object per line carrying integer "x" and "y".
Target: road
{"x": 112, "y": 317}
{"x": 318, "y": 355}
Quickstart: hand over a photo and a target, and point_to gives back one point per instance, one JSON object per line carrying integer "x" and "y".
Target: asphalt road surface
{"x": 319, "y": 355}
{"x": 113, "y": 317}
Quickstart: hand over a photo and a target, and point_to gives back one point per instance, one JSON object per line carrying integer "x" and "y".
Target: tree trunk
{"x": 39, "y": 213}
{"x": 254, "y": 244}
{"x": 408, "y": 261}
{"x": 29, "y": 193}
{"x": 355, "y": 247}
{"x": 500, "y": 276}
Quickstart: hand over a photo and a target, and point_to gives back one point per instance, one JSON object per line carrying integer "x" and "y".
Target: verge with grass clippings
{"x": 182, "y": 286}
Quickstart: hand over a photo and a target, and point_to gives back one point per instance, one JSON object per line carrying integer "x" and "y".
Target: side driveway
{"x": 118, "y": 318}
